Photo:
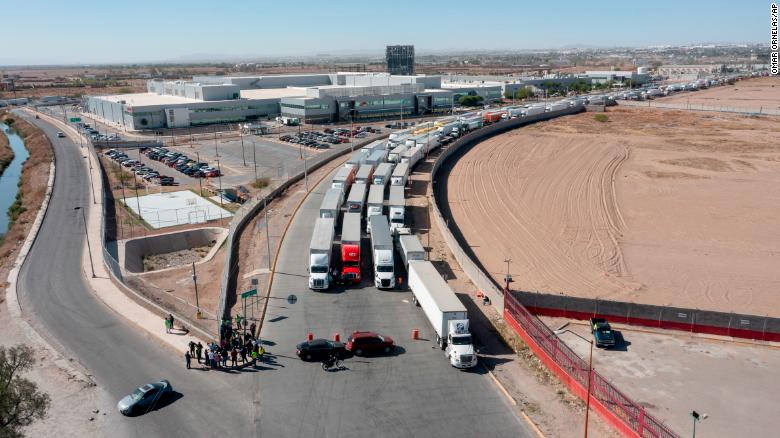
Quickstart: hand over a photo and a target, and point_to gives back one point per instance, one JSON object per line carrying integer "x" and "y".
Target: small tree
{"x": 20, "y": 401}
{"x": 470, "y": 100}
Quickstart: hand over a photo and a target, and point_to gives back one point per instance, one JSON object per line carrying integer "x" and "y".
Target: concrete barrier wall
{"x": 249, "y": 210}
{"x": 133, "y": 251}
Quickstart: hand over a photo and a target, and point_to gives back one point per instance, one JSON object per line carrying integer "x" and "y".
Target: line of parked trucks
{"x": 373, "y": 181}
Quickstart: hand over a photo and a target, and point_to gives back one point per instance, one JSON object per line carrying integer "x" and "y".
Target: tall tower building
{"x": 400, "y": 60}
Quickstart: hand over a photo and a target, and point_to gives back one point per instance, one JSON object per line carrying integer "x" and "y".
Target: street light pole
{"x": 216, "y": 148}
{"x": 86, "y": 233}
{"x": 200, "y": 179}
{"x": 195, "y": 281}
{"x": 267, "y": 236}
{"x": 590, "y": 373}
{"x": 241, "y": 134}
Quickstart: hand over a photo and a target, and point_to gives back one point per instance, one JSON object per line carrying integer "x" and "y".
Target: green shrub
{"x": 261, "y": 183}
{"x": 601, "y": 118}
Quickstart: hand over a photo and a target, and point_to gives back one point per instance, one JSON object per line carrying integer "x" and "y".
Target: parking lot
{"x": 673, "y": 373}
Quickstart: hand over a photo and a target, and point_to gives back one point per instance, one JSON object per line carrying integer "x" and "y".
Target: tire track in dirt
{"x": 549, "y": 205}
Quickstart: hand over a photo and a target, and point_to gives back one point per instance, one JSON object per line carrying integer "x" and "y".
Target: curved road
{"x": 53, "y": 293}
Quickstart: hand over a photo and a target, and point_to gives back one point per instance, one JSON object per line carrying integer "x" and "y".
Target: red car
{"x": 362, "y": 343}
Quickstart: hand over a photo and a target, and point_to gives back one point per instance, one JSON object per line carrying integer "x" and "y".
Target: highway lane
{"x": 54, "y": 295}
{"x": 414, "y": 393}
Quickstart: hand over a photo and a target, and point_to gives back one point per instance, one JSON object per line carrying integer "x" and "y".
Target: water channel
{"x": 10, "y": 179}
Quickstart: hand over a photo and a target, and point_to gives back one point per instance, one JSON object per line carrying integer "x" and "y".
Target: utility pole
{"x": 254, "y": 157}
{"x": 305, "y": 172}
{"x": 216, "y": 148}
{"x": 197, "y": 303}
{"x": 200, "y": 179}
{"x": 86, "y": 233}
{"x": 508, "y": 277}
{"x": 241, "y": 134}
{"x": 267, "y": 234}
{"x": 219, "y": 177}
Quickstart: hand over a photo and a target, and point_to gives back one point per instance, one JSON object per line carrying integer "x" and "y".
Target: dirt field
{"x": 751, "y": 93}
{"x": 657, "y": 207}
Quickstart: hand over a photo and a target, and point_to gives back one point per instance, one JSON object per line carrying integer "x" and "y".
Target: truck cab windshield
{"x": 384, "y": 268}
{"x": 461, "y": 340}
{"x": 397, "y": 220}
{"x": 319, "y": 269}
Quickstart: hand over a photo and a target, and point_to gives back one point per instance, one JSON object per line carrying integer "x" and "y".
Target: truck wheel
{"x": 358, "y": 352}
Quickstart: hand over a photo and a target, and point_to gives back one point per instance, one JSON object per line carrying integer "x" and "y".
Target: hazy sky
{"x": 93, "y": 31}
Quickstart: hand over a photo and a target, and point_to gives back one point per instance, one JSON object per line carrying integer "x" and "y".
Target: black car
{"x": 318, "y": 349}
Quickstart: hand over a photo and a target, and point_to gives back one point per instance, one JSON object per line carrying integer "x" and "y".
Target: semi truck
{"x": 377, "y": 157}
{"x": 376, "y": 203}
{"x": 400, "y": 175}
{"x": 382, "y": 174}
{"x": 410, "y": 248}
{"x": 358, "y": 158}
{"x": 289, "y": 121}
{"x": 382, "y": 252}
{"x": 364, "y": 174}
{"x": 444, "y": 311}
{"x": 397, "y": 207}
{"x": 395, "y": 154}
{"x": 492, "y": 117}
{"x": 471, "y": 123}
{"x": 412, "y": 156}
{"x": 356, "y": 198}
{"x": 331, "y": 204}
{"x": 350, "y": 248}
{"x": 557, "y": 106}
{"x": 320, "y": 252}
{"x": 533, "y": 110}
{"x": 344, "y": 178}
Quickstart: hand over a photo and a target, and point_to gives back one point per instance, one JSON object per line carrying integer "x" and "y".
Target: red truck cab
{"x": 350, "y": 247}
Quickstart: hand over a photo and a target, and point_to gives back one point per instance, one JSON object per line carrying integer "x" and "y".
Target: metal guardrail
{"x": 620, "y": 409}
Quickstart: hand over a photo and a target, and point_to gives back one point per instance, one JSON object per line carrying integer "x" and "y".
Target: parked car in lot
{"x": 362, "y": 343}
{"x": 602, "y": 333}
{"x": 319, "y": 349}
{"x": 144, "y": 398}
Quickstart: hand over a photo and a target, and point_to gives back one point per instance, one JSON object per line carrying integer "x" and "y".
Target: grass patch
{"x": 601, "y": 118}
{"x": 261, "y": 183}
{"x": 16, "y": 209}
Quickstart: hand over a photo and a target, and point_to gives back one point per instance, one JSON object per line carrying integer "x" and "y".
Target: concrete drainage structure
{"x": 133, "y": 251}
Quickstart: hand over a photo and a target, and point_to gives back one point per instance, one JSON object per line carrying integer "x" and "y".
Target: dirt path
{"x": 750, "y": 93}
{"x": 657, "y": 207}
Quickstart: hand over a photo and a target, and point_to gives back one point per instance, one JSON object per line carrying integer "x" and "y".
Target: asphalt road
{"x": 413, "y": 393}
{"x": 54, "y": 295}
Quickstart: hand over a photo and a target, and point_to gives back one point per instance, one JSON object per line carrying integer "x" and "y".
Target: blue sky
{"x": 93, "y": 31}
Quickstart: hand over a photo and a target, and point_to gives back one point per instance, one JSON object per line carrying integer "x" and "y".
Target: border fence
{"x": 625, "y": 415}
{"x": 760, "y": 111}
{"x": 762, "y": 328}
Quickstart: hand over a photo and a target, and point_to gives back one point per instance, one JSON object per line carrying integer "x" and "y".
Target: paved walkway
{"x": 105, "y": 287}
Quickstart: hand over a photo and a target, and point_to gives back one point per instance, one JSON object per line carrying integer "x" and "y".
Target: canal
{"x": 10, "y": 179}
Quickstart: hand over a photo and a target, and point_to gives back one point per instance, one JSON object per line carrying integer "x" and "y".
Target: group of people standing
{"x": 233, "y": 346}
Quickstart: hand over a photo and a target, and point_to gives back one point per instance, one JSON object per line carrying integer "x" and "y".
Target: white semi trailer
{"x": 320, "y": 253}
{"x": 395, "y": 154}
{"x": 382, "y": 174}
{"x": 376, "y": 203}
{"x": 382, "y": 252}
{"x": 444, "y": 311}
{"x": 331, "y": 204}
{"x": 411, "y": 249}
{"x": 397, "y": 207}
{"x": 400, "y": 175}
{"x": 356, "y": 198}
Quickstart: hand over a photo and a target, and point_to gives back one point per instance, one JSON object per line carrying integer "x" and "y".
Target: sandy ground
{"x": 536, "y": 392}
{"x": 672, "y": 373}
{"x": 658, "y": 207}
{"x": 750, "y": 93}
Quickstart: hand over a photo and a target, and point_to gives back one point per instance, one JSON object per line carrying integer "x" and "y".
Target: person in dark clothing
{"x": 170, "y": 320}
{"x": 234, "y": 358}
{"x": 242, "y": 351}
{"x": 252, "y": 328}
{"x": 187, "y": 358}
{"x": 224, "y": 356}
{"x": 192, "y": 348}
{"x": 198, "y": 350}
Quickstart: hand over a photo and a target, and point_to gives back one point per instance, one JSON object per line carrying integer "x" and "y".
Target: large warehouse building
{"x": 314, "y": 98}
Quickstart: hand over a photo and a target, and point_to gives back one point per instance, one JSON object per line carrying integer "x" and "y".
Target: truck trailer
{"x": 364, "y": 174}
{"x": 444, "y": 311}
{"x": 344, "y": 178}
{"x": 397, "y": 206}
{"x": 382, "y": 174}
{"x": 410, "y": 248}
{"x": 356, "y": 198}
{"x": 395, "y": 154}
{"x": 350, "y": 248}
{"x": 331, "y": 204}
{"x": 534, "y": 110}
{"x": 320, "y": 252}
{"x": 400, "y": 175}
{"x": 412, "y": 156}
{"x": 377, "y": 157}
{"x": 376, "y": 203}
{"x": 382, "y": 252}
{"x": 358, "y": 158}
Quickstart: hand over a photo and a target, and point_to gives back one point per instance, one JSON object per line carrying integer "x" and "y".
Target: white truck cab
{"x": 460, "y": 349}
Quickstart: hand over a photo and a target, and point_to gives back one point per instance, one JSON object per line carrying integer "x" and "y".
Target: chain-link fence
{"x": 763, "y": 328}
{"x": 618, "y": 409}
